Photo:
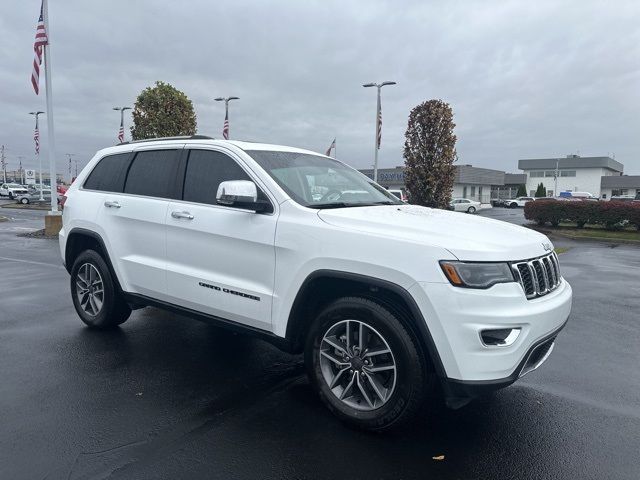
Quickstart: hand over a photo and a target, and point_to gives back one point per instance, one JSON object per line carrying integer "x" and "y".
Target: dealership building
{"x": 600, "y": 176}
{"x": 481, "y": 184}
{"x": 576, "y": 174}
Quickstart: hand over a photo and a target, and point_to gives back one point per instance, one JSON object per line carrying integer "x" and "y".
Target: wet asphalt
{"x": 169, "y": 397}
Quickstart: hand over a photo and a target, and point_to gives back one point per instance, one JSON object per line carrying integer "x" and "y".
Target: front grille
{"x": 539, "y": 276}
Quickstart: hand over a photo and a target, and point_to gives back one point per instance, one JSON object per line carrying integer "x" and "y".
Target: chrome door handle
{"x": 186, "y": 215}
{"x": 112, "y": 204}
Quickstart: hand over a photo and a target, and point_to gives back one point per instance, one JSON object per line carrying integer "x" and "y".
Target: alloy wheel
{"x": 89, "y": 289}
{"x": 358, "y": 365}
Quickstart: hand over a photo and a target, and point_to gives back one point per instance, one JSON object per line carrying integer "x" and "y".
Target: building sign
{"x": 30, "y": 176}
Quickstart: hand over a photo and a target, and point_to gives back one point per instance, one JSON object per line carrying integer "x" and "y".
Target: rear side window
{"x": 109, "y": 174}
{"x": 153, "y": 174}
{"x": 206, "y": 169}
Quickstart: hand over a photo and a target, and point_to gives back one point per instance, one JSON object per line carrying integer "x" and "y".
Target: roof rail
{"x": 183, "y": 137}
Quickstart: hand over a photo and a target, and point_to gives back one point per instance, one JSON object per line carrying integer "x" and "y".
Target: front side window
{"x": 206, "y": 169}
{"x": 109, "y": 174}
{"x": 319, "y": 182}
{"x": 153, "y": 174}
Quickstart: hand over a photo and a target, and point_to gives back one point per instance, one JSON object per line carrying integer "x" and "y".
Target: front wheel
{"x": 24, "y": 201}
{"x": 365, "y": 365}
{"x": 514, "y": 205}
{"x": 94, "y": 292}
{"x": 471, "y": 210}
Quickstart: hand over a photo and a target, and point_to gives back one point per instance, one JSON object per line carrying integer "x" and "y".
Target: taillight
{"x": 62, "y": 201}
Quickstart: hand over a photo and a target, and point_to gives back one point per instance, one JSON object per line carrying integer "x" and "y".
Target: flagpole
{"x": 49, "y": 93}
{"x": 335, "y": 148}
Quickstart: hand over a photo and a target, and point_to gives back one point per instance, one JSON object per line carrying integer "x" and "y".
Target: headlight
{"x": 476, "y": 275}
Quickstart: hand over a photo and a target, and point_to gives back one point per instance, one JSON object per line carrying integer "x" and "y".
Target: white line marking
{"x": 31, "y": 262}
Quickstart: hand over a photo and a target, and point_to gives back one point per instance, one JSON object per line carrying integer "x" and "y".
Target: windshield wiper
{"x": 348, "y": 205}
{"x": 330, "y": 205}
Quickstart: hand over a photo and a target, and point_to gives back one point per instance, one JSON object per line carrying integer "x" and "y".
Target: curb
{"x": 29, "y": 206}
{"x": 579, "y": 238}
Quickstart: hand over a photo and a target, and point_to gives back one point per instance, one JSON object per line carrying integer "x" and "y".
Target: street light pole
{"x": 556, "y": 173}
{"x": 226, "y": 100}
{"x": 121, "y": 131}
{"x": 3, "y": 162}
{"x": 69, "y": 155}
{"x": 36, "y": 139}
{"x": 378, "y": 131}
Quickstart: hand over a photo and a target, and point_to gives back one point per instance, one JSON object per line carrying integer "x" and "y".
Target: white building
{"x": 576, "y": 174}
{"x": 470, "y": 182}
{"x": 624, "y": 185}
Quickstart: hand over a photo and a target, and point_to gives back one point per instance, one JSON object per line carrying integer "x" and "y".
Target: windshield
{"x": 320, "y": 182}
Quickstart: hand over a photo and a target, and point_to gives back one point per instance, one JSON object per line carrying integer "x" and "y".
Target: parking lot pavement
{"x": 168, "y": 397}
{"x": 511, "y": 215}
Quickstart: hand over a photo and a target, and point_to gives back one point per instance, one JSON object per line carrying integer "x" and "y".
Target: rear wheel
{"x": 24, "y": 201}
{"x": 94, "y": 293}
{"x": 471, "y": 210}
{"x": 513, "y": 205}
{"x": 365, "y": 365}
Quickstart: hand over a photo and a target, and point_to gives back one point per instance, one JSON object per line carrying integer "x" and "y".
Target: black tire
{"x": 24, "y": 201}
{"x": 471, "y": 210}
{"x": 514, "y": 205}
{"x": 10, "y": 196}
{"x": 114, "y": 310}
{"x": 412, "y": 384}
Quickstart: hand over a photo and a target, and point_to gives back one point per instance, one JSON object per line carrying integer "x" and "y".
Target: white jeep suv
{"x": 390, "y": 303}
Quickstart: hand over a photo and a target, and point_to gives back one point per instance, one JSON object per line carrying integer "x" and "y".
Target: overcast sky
{"x": 524, "y": 79}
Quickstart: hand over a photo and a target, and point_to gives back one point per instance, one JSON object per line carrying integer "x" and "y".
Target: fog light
{"x": 502, "y": 337}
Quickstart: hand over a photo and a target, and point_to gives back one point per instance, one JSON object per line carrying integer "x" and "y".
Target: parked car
{"x": 399, "y": 194}
{"x": 580, "y": 195}
{"x": 34, "y": 195}
{"x": 464, "y": 205}
{"x": 519, "y": 202}
{"x": 623, "y": 198}
{"x": 11, "y": 190}
{"x": 390, "y": 303}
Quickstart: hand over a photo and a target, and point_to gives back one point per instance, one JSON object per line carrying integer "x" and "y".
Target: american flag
{"x": 331, "y": 147}
{"x": 225, "y": 128}
{"x": 36, "y": 138}
{"x": 40, "y": 42}
{"x": 121, "y": 132}
{"x": 379, "y": 127}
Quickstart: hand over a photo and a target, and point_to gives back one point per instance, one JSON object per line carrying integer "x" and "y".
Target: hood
{"x": 467, "y": 237}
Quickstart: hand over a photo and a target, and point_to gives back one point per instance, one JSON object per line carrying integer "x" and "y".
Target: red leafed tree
{"x": 429, "y": 154}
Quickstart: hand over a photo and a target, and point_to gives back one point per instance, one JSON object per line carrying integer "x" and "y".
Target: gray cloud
{"x": 525, "y": 79}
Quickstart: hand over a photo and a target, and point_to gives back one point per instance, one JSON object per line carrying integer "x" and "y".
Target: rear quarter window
{"x": 109, "y": 174}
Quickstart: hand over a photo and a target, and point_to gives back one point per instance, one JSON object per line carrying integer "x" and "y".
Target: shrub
{"x": 611, "y": 215}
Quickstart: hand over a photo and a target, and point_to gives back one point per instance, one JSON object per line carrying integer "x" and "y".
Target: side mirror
{"x": 240, "y": 194}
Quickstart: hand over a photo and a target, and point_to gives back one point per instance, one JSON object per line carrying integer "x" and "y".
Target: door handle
{"x": 112, "y": 204}
{"x": 186, "y": 215}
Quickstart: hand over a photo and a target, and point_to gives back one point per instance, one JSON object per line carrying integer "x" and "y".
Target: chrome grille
{"x": 538, "y": 276}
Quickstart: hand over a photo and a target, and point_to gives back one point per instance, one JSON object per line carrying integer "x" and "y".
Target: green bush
{"x": 611, "y": 215}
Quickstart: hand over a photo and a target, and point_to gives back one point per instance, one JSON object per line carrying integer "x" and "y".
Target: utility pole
{"x": 378, "y": 137}
{"x": 3, "y": 162}
{"x": 555, "y": 178}
{"x": 21, "y": 170}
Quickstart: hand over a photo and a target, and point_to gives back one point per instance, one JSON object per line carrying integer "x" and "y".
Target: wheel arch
{"x": 323, "y": 286}
{"x": 80, "y": 239}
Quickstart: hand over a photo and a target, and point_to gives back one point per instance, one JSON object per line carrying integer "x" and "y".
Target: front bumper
{"x": 458, "y": 393}
{"x": 456, "y": 317}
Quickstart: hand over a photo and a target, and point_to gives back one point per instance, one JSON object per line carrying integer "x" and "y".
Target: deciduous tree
{"x": 162, "y": 111}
